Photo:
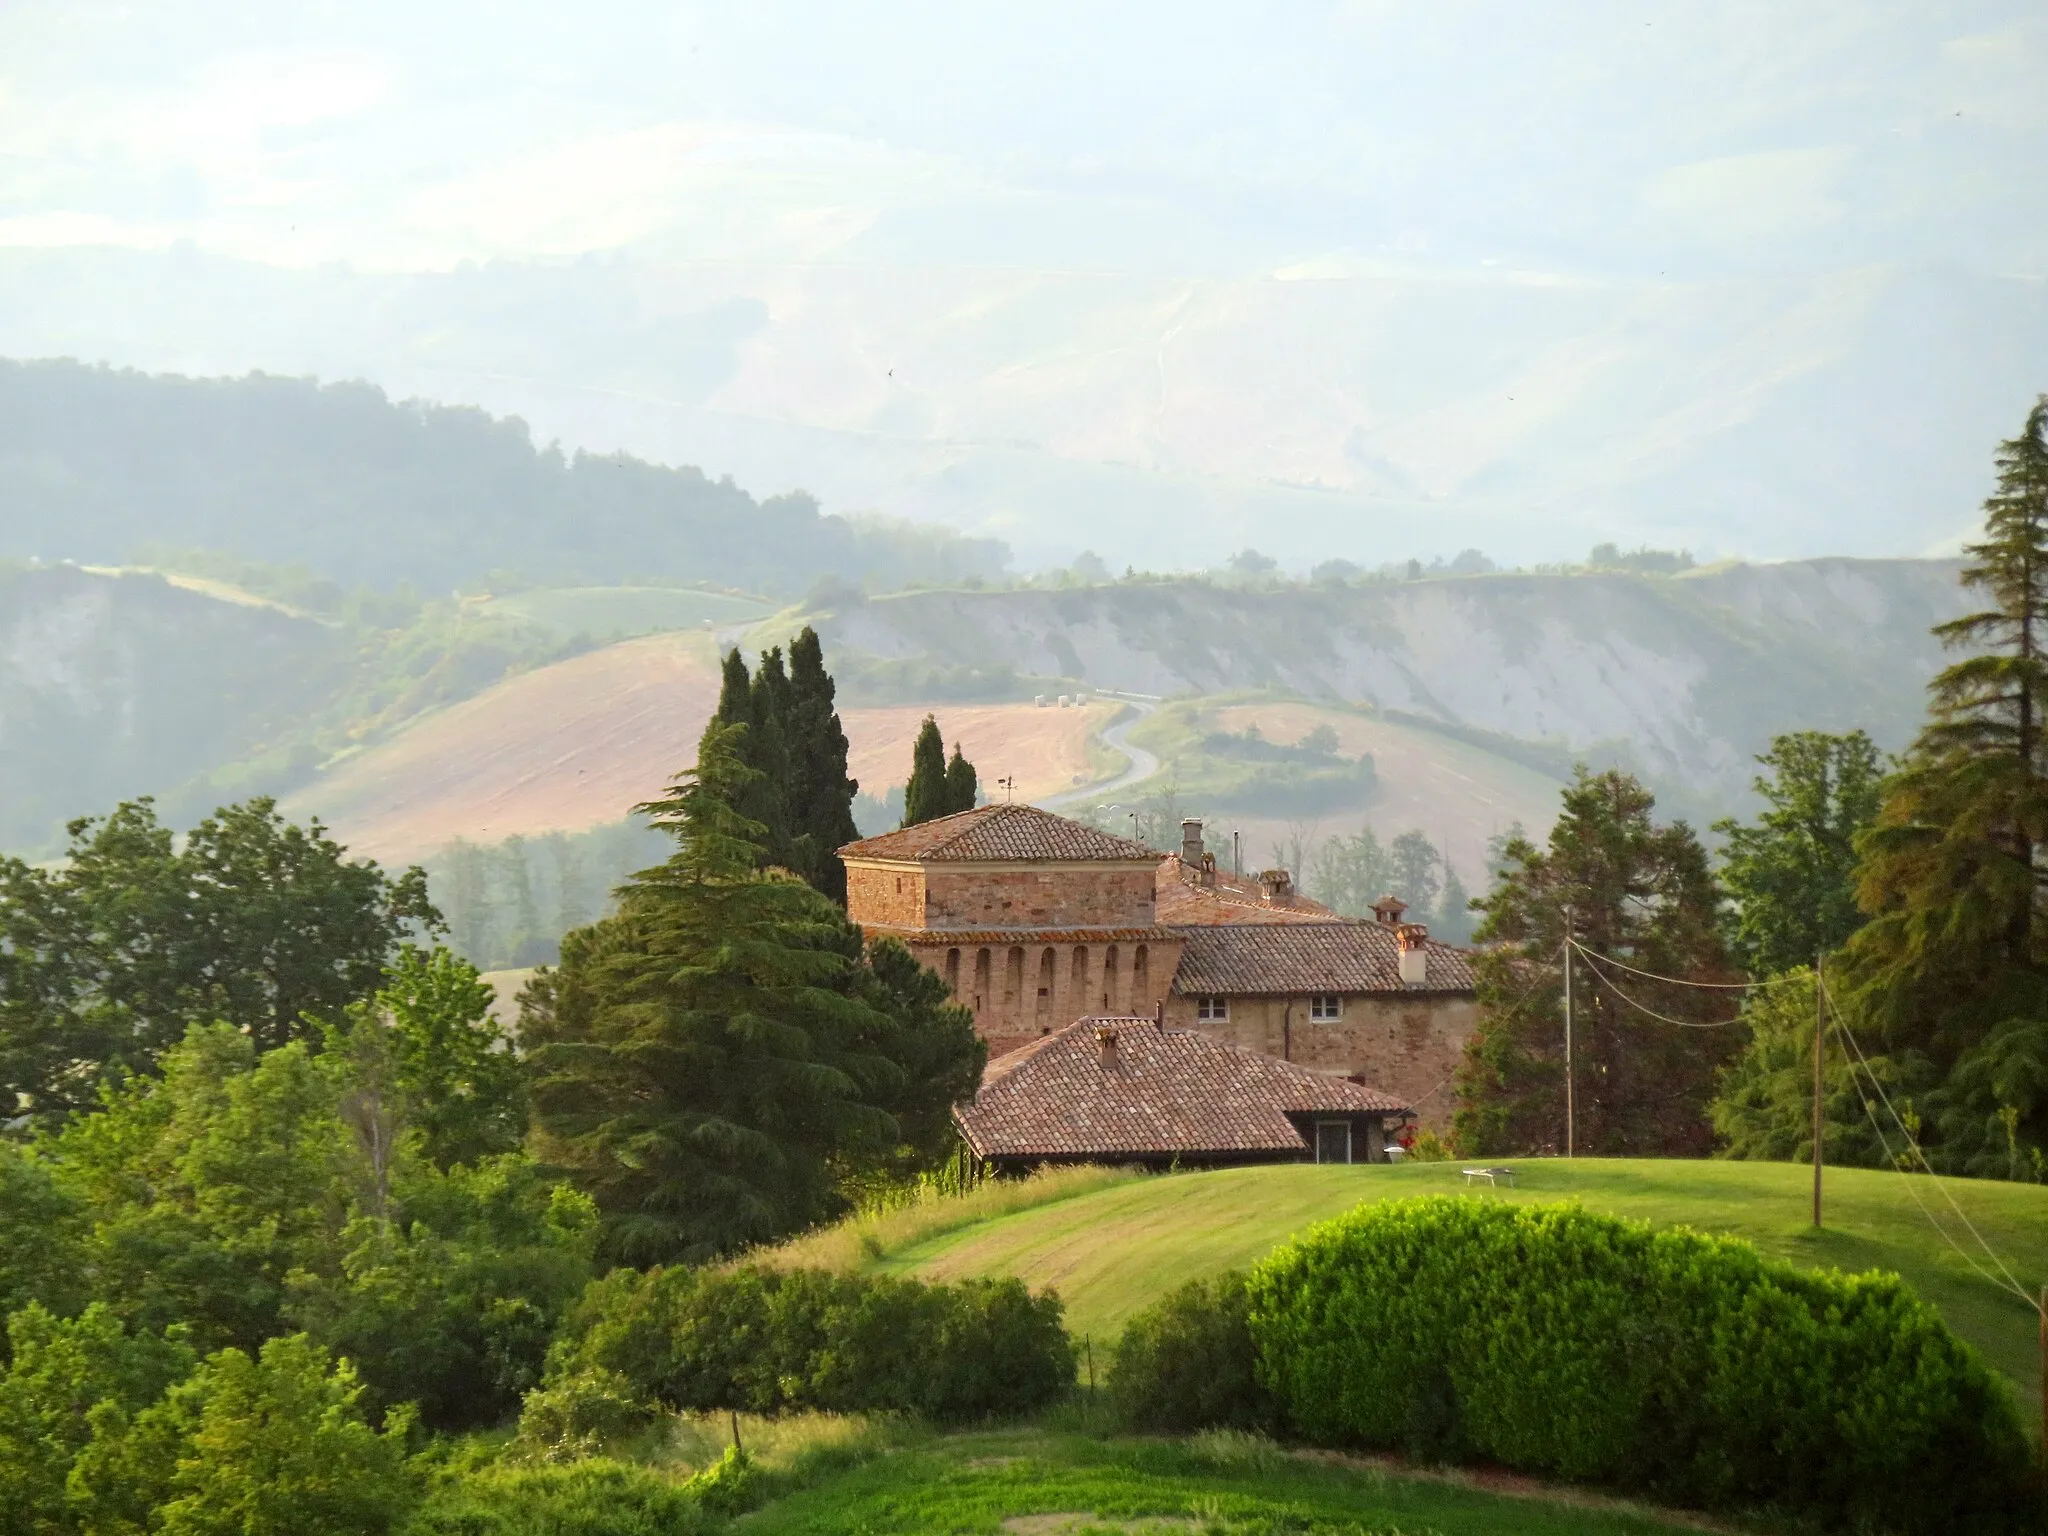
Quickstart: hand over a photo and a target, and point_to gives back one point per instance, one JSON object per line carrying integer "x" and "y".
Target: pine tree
{"x": 925, "y": 797}
{"x": 963, "y": 786}
{"x": 712, "y": 1060}
{"x": 820, "y": 790}
{"x": 1641, "y": 894}
{"x": 1952, "y": 968}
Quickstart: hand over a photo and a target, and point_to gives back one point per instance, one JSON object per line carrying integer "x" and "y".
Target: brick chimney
{"x": 1276, "y": 887}
{"x": 1105, "y": 1046}
{"x": 1191, "y": 843}
{"x": 1388, "y": 909}
{"x": 1412, "y": 940}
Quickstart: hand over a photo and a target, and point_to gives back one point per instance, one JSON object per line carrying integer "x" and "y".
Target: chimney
{"x": 1105, "y": 1046}
{"x": 1191, "y": 843}
{"x": 1412, "y": 940}
{"x": 1388, "y": 910}
{"x": 1208, "y": 869}
{"x": 1276, "y": 887}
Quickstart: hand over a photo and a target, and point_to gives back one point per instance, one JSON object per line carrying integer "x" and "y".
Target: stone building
{"x": 1035, "y": 921}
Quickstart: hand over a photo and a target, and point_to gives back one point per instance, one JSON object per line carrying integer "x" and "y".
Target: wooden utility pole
{"x": 1570, "y": 1109}
{"x": 2044, "y": 1375}
{"x": 1820, "y": 1024}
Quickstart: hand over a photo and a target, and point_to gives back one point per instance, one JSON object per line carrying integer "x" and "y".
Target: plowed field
{"x": 578, "y": 744}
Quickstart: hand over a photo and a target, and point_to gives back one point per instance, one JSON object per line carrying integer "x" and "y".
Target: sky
{"x": 1372, "y": 278}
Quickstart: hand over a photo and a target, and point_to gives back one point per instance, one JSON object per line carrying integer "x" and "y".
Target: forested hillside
{"x": 96, "y": 463}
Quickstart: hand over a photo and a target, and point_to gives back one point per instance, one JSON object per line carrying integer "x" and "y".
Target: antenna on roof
{"x": 1009, "y": 783}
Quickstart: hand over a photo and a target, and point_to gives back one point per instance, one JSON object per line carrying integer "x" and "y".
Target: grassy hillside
{"x": 1111, "y": 1244}
{"x": 614, "y": 613}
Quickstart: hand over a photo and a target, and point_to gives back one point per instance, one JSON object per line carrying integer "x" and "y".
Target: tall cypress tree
{"x": 766, "y": 751}
{"x": 963, "y": 785}
{"x": 1952, "y": 968}
{"x": 925, "y": 797}
{"x": 820, "y": 790}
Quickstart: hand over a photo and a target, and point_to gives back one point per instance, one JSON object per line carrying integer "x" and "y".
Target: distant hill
{"x": 113, "y": 686}
{"x": 96, "y": 463}
{"x": 1684, "y": 678}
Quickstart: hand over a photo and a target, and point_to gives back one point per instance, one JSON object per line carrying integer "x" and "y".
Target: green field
{"x": 1040, "y": 1483}
{"x": 1110, "y": 1249}
{"x": 613, "y": 613}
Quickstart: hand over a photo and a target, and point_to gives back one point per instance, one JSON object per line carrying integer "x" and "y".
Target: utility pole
{"x": 2044, "y": 1373}
{"x": 1570, "y": 1109}
{"x": 1820, "y": 1022}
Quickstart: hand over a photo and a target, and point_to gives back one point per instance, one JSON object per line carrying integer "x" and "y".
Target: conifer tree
{"x": 1639, "y": 893}
{"x": 820, "y": 790}
{"x": 1952, "y": 968}
{"x": 926, "y": 797}
{"x": 765, "y": 750}
{"x": 714, "y": 1058}
{"x": 963, "y": 785}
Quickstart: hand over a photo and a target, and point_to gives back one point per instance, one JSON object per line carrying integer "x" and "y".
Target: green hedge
{"x": 1187, "y": 1362}
{"x": 769, "y": 1341}
{"x": 1554, "y": 1341}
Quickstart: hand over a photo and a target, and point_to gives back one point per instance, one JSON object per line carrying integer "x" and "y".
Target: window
{"x": 1326, "y": 1008}
{"x": 1212, "y": 1010}
{"x": 1333, "y": 1141}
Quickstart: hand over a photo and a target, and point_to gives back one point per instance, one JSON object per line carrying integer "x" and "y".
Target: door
{"x": 1333, "y": 1141}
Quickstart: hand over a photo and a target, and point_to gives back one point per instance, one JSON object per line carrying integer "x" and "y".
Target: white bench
{"x": 1491, "y": 1176}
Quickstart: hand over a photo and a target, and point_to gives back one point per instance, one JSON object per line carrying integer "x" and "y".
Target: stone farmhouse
{"x": 1036, "y": 922}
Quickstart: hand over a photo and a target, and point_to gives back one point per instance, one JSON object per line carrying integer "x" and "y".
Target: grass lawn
{"x": 1109, "y": 1249}
{"x": 1044, "y": 1483}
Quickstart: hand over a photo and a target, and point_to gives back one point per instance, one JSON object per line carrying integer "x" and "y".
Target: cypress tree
{"x": 963, "y": 787}
{"x": 925, "y": 797}
{"x": 1952, "y": 969}
{"x": 820, "y": 790}
{"x": 766, "y": 752}
{"x": 735, "y": 691}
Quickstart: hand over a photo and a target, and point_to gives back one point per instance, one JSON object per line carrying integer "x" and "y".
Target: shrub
{"x": 766, "y": 1341}
{"x": 1560, "y": 1342}
{"x": 1187, "y": 1363}
{"x": 597, "y": 1497}
{"x": 584, "y": 1414}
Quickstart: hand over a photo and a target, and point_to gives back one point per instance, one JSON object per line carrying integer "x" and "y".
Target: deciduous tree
{"x": 1792, "y": 875}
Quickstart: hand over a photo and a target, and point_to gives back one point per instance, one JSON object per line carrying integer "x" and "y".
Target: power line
{"x": 1913, "y": 1143}
{"x": 1680, "y": 981}
{"x": 1666, "y": 1018}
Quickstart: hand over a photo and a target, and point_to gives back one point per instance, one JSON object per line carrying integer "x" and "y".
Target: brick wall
{"x": 1406, "y": 1046}
{"x": 890, "y": 897}
{"x": 1020, "y": 991}
{"x": 1034, "y": 896}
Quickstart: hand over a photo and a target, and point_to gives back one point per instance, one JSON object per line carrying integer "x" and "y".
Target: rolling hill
{"x": 1681, "y": 678}
{"x": 578, "y": 744}
{"x": 1111, "y": 1243}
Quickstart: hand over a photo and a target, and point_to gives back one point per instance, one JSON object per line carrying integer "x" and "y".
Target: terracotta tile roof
{"x": 1182, "y": 899}
{"x": 1300, "y": 958}
{"x": 1168, "y": 1093}
{"x": 1000, "y": 832}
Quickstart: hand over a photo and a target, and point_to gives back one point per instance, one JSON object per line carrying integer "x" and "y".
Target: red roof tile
{"x": 1301, "y": 958}
{"x": 1000, "y": 833}
{"x": 1167, "y": 1093}
{"x": 1182, "y": 899}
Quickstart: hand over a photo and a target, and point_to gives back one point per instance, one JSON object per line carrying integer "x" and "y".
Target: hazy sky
{"x": 1108, "y": 152}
